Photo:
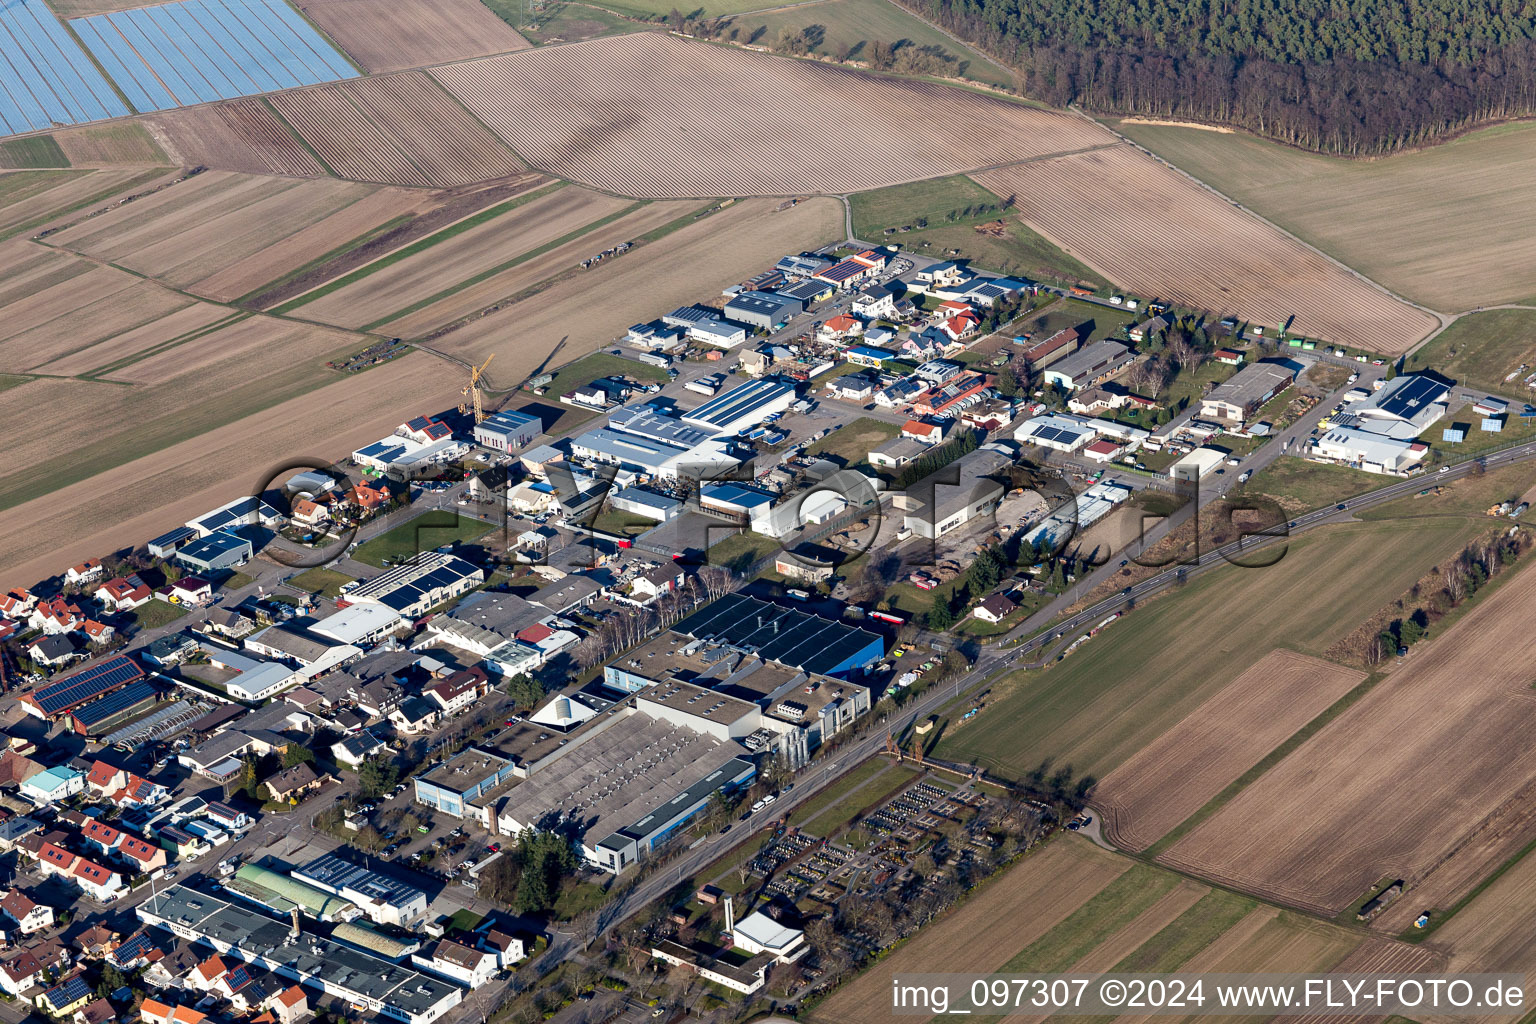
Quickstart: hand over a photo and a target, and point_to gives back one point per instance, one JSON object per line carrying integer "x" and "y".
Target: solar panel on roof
{"x": 103, "y": 708}
{"x": 115, "y": 671}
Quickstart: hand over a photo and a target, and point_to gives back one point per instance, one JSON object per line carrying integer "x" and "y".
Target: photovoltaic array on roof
{"x": 100, "y": 678}
{"x": 69, "y": 991}
{"x": 136, "y": 946}
{"x": 1412, "y": 396}
{"x": 103, "y": 708}
{"x": 237, "y": 978}
{"x": 795, "y": 638}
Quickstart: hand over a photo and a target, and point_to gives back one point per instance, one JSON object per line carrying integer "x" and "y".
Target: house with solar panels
{"x": 247, "y": 511}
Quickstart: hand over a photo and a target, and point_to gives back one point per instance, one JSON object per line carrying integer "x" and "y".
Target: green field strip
{"x": 1086, "y": 928}
{"x": 1264, "y": 764}
{"x": 420, "y": 245}
{"x": 192, "y": 335}
{"x": 34, "y": 152}
{"x": 267, "y": 102}
{"x": 1188, "y": 933}
{"x": 508, "y": 265}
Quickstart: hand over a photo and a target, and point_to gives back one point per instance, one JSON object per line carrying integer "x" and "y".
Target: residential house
{"x": 138, "y": 791}
{"x": 97, "y": 633}
{"x": 103, "y": 837}
{"x": 189, "y": 590}
{"x": 104, "y": 778}
{"x": 415, "y": 715}
{"x": 294, "y": 783}
{"x": 56, "y": 615}
{"x": 840, "y": 328}
{"x": 852, "y": 388}
{"x": 153, "y": 1011}
{"x": 509, "y": 948}
{"x": 143, "y": 857}
{"x": 124, "y": 593}
{"x": 459, "y": 691}
{"x": 226, "y": 817}
{"x": 65, "y": 997}
{"x": 97, "y": 1011}
{"x": 307, "y": 512}
{"x": 877, "y": 302}
{"x": 928, "y": 433}
{"x": 53, "y": 784}
{"x": 29, "y": 915}
{"x": 995, "y": 609}
{"x": 370, "y": 497}
{"x": 17, "y": 603}
{"x": 96, "y": 942}
{"x": 355, "y": 749}
{"x": 290, "y": 1006}
{"x": 1231, "y": 357}
{"x": 100, "y": 883}
{"x": 54, "y": 651}
{"x": 1149, "y": 328}
{"x": 464, "y": 964}
{"x": 205, "y": 977}
{"x": 27, "y": 968}
{"x": 657, "y": 580}
{"x": 87, "y": 571}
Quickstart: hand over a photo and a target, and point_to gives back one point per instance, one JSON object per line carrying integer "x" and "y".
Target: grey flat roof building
{"x": 763, "y": 309}
{"x": 387, "y": 989}
{"x": 218, "y": 550}
{"x": 508, "y": 429}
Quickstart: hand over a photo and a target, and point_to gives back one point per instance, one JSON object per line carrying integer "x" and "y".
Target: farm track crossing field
{"x": 240, "y": 135}
{"x": 350, "y": 144}
{"x": 257, "y": 338}
{"x": 310, "y": 242}
{"x": 141, "y": 339}
{"x": 433, "y": 130}
{"x": 1146, "y": 672}
{"x": 45, "y": 78}
{"x": 1493, "y": 932}
{"x": 988, "y": 929}
{"x": 1469, "y": 241}
{"x": 558, "y": 260}
{"x": 582, "y": 111}
{"x": 197, "y": 51}
{"x": 1398, "y": 780}
{"x": 581, "y": 314}
{"x": 30, "y": 198}
{"x": 184, "y": 241}
{"x": 465, "y": 255}
{"x": 1179, "y": 772}
{"x": 1153, "y": 231}
{"x": 412, "y": 33}
{"x": 161, "y": 471}
{"x": 78, "y": 312}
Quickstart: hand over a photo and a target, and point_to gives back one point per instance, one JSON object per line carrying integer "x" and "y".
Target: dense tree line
{"x": 1347, "y": 76}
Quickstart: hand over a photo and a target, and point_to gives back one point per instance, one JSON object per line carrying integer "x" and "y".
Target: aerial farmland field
{"x": 31, "y": 198}
{"x": 211, "y": 223}
{"x": 343, "y": 136}
{"x": 1315, "y": 831}
{"x": 1469, "y": 241}
{"x": 189, "y": 445}
{"x": 412, "y": 33}
{"x": 239, "y": 135}
{"x": 1175, "y": 775}
{"x": 432, "y": 129}
{"x": 1145, "y": 673}
{"x": 585, "y": 110}
{"x": 562, "y": 259}
{"x": 469, "y": 254}
{"x": 1155, "y": 232}
{"x": 77, "y": 312}
{"x": 582, "y": 313}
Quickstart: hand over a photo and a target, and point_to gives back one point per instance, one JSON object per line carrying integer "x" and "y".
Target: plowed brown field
{"x": 987, "y": 930}
{"x": 1493, "y": 933}
{"x": 270, "y": 339}
{"x": 122, "y": 142}
{"x": 236, "y": 135}
{"x": 465, "y": 255}
{"x": 140, "y": 339}
{"x": 1184, "y": 768}
{"x": 353, "y": 146}
{"x": 1156, "y": 232}
{"x": 185, "y": 234}
{"x": 432, "y": 129}
{"x": 559, "y": 260}
{"x": 579, "y": 315}
{"x": 655, "y": 116}
{"x": 1395, "y": 783}
{"x": 311, "y": 242}
{"x": 77, "y": 313}
{"x": 412, "y": 33}
{"x": 132, "y": 496}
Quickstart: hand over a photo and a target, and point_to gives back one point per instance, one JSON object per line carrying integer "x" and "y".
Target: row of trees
{"x": 528, "y": 875}
{"x": 1463, "y": 576}
{"x": 1346, "y": 76}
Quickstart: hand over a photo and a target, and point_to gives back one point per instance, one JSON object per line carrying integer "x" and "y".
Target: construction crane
{"x": 472, "y": 389}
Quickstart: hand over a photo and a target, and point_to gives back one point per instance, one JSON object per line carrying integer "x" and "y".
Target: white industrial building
{"x": 1197, "y": 464}
{"x": 415, "y": 588}
{"x": 1088, "y": 366}
{"x": 1056, "y": 529}
{"x": 643, "y": 455}
{"x": 1405, "y": 407}
{"x": 743, "y": 407}
{"x": 1059, "y": 431}
{"x": 508, "y": 430}
{"x": 1374, "y": 453}
{"x": 958, "y": 494}
{"x": 240, "y": 512}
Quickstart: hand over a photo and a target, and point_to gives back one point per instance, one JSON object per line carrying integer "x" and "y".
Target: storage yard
{"x": 389, "y": 37}
{"x": 1162, "y": 234}
{"x": 1315, "y": 831}
{"x": 1178, "y": 773}
{"x": 584, "y": 110}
